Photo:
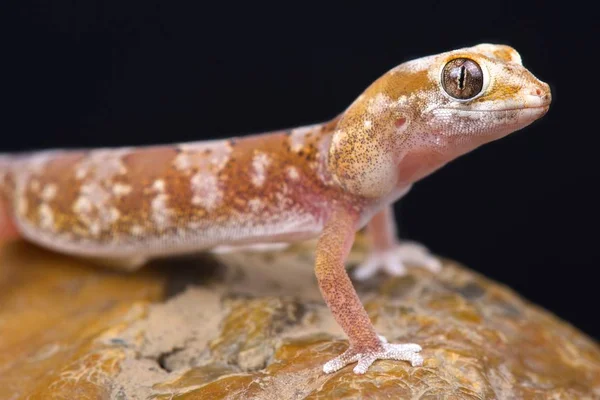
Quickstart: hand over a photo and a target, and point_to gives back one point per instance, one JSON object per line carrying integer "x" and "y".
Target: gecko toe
{"x": 393, "y": 261}
{"x": 340, "y": 361}
{"x": 363, "y": 364}
{"x": 386, "y": 351}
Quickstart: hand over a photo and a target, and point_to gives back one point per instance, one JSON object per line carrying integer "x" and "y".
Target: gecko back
{"x": 172, "y": 199}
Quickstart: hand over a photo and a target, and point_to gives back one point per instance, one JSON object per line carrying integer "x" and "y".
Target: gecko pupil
{"x": 462, "y": 78}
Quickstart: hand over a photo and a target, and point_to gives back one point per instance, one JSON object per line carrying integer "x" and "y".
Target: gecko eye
{"x": 462, "y": 78}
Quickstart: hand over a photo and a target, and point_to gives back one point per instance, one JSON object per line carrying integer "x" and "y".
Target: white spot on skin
{"x": 207, "y": 193}
{"x": 114, "y": 214}
{"x": 378, "y": 104}
{"x": 298, "y": 136}
{"x": 80, "y": 173}
{"x": 321, "y": 167}
{"x": 161, "y": 214}
{"x": 94, "y": 229}
{"x": 49, "y": 192}
{"x": 82, "y": 205}
{"x": 205, "y": 159}
{"x": 102, "y": 165}
{"x": 337, "y": 137}
{"x": 182, "y": 162}
{"x": 93, "y": 208}
{"x": 159, "y": 185}
{"x": 403, "y": 100}
{"x": 137, "y": 230}
{"x": 46, "y": 216}
{"x": 260, "y": 163}
{"x": 94, "y": 194}
{"x": 281, "y": 197}
{"x": 120, "y": 189}
{"x": 255, "y": 205}
{"x": 368, "y": 124}
{"x": 293, "y": 173}
{"x": 203, "y": 155}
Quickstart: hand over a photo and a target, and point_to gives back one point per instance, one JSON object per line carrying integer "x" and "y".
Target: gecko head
{"x": 433, "y": 108}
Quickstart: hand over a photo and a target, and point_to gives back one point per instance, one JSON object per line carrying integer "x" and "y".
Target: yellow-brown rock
{"x": 254, "y": 326}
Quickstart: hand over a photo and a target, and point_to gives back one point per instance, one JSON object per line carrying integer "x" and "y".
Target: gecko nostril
{"x": 538, "y": 92}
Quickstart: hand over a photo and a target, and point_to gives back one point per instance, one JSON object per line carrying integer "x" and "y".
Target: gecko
{"x": 128, "y": 205}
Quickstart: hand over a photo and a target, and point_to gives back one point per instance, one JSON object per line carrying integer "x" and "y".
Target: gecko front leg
{"x": 387, "y": 253}
{"x": 341, "y": 298}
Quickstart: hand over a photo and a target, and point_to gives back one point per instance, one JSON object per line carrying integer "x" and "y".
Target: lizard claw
{"x": 386, "y": 351}
{"x": 392, "y": 261}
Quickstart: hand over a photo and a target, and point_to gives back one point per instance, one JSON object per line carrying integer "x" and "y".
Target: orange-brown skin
{"x": 326, "y": 181}
{"x": 292, "y": 175}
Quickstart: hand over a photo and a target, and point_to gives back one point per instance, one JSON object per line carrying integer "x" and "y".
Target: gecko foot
{"x": 387, "y": 351}
{"x": 392, "y": 260}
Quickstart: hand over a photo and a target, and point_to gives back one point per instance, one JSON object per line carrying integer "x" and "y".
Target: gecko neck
{"x": 433, "y": 152}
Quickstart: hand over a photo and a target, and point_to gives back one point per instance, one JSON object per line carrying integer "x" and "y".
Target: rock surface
{"x": 254, "y": 326}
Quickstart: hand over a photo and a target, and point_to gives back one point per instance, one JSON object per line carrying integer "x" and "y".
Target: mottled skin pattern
{"x": 156, "y": 200}
{"x": 328, "y": 180}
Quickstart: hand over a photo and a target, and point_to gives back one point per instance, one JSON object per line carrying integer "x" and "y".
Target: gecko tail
{"x": 6, "y": 184}
{"x": 8, "y": 229}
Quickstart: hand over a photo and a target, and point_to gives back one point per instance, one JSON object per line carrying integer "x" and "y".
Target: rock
{"x": 254, "y": 326}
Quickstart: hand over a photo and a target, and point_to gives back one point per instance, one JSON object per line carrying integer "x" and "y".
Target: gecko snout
{"x": 537, "y": 101}
{"x": 542, "y": 92}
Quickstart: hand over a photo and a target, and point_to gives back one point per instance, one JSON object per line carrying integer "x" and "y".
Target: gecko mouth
{"x": 525, "y": 113}
{"x": 529, "y": 104}
{"x": 547, "y": 106}
{"x": 490, "y": 122}
{"x": 463, "y": 111}
{"x": 519, "y": 114}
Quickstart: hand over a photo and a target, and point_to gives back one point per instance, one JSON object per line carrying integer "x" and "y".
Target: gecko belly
{"x": 182, "y": 241}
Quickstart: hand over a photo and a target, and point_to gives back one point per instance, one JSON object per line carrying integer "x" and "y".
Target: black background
{"x": 522, "y": 210}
